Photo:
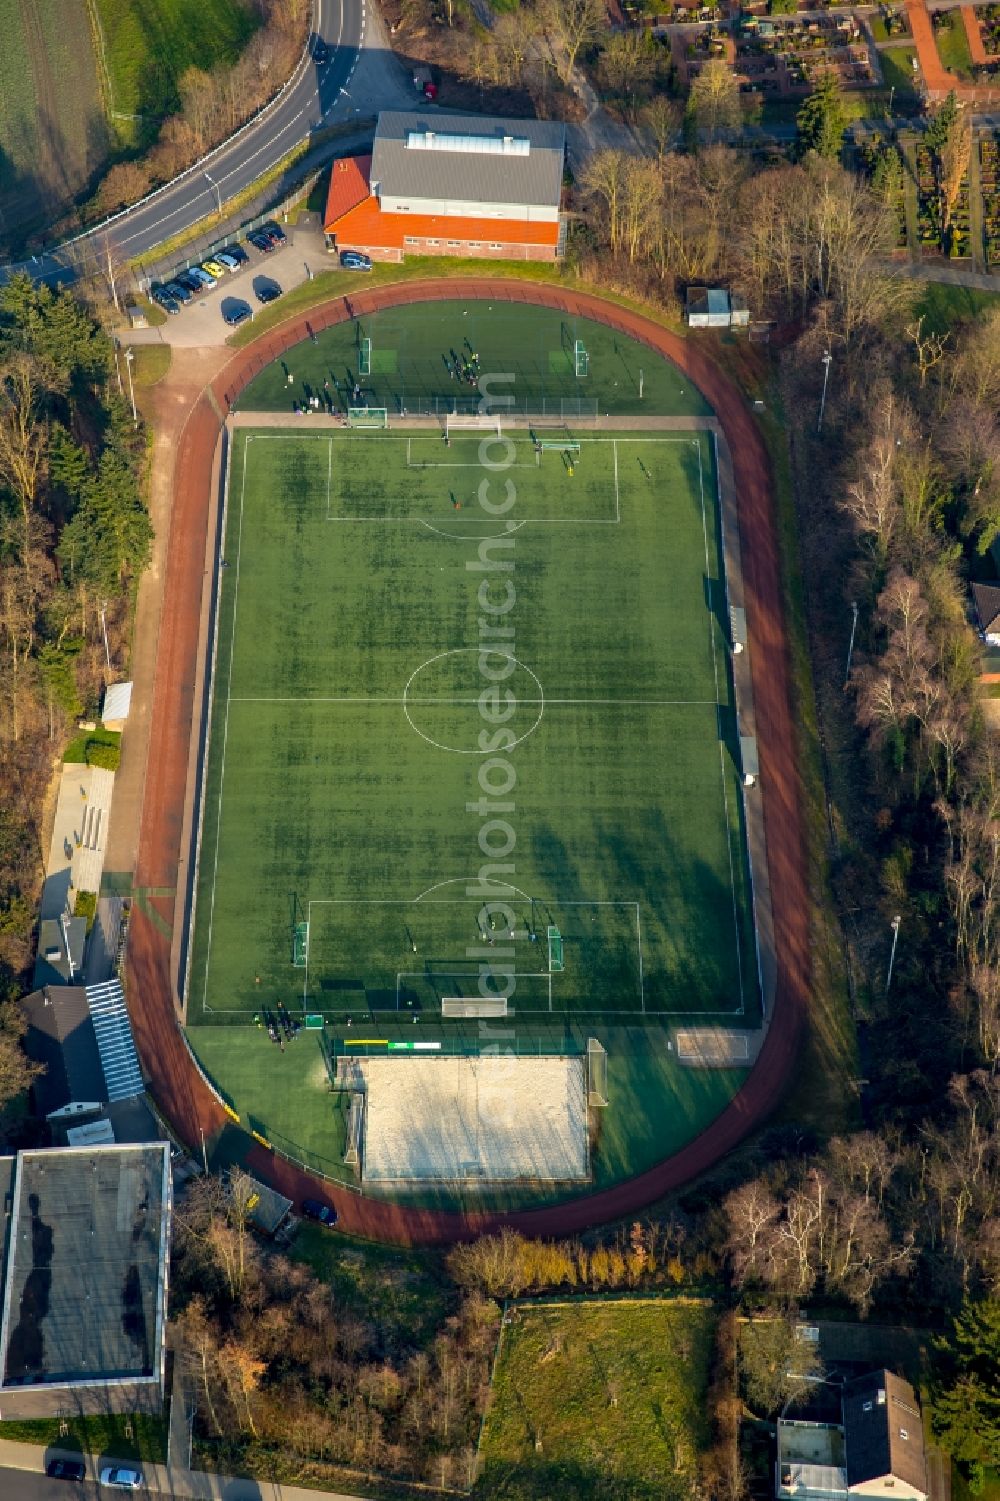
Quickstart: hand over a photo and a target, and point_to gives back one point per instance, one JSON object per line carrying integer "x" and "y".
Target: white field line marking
{"x": 225, "y": 729}
{"x": 618, "y": 503}
{"x": 722, "y": 750}
{"x": 527, "y": 521}
{"x": 638, "y": 934}
{"x": 329, "y": 475}
{"x": 682, "y": 703}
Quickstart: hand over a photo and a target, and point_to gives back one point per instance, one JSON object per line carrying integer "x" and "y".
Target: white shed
{"x": 117, "y": 702}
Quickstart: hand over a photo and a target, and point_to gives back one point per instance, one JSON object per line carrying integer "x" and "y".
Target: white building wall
{"x": 469, "y": 208}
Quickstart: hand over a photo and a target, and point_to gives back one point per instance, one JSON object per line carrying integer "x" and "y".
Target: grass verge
{"x": 150, "y": 363}
{"x": 823, "y": 1096}
{"x": 120, "y": 1436}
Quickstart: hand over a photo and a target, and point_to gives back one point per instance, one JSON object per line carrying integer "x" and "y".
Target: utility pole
{"x": 827, "y": 360}
{"x": 104, "y": 631}
{"x": 129, "y": 357}
{"x": 118, "y": 368}
{"x": 850, "y": 649}
{"x": 892, "y": 956}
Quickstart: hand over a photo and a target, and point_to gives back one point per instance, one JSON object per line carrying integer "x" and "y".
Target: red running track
{"x": 174, "y": 1081}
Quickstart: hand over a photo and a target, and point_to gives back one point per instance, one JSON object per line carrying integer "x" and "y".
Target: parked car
{"x": 121, "y": 1477}
{"x": 238, "y": 254}
{"x": 276, "y": 234}
{"x": 66, "y": 1469}
{"x": 354, "y": 260}
{"x": 261, "y": 242}
{"x": 314, "y": 1209}
{"x": 270, "y": 293}
{"x": 185, "y": 279}
{"x": 175, "y": 289}
{"x": 321, "y": 52}
{"x": 225, "y": 259}
{"x": 167, "y": 303}
{"x": 214, "y": 268}
{"x": 238, "y": 313}
{"x": 202, "y": 278}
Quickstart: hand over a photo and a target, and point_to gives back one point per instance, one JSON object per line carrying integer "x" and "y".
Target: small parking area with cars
{"x": 231, "y": 286}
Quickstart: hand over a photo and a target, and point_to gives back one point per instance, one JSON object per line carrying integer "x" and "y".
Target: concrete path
{"x": 79, "y": 836}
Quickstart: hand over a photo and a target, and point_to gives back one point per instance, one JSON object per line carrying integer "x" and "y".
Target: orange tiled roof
{"x": 348, "y": 187}
{"x": 367, "y": 225}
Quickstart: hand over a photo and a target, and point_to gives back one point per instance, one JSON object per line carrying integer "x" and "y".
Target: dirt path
{"x": 167, "y": 405}
{"x": 973, "y": 31}
{"x": 178, "y": 1088}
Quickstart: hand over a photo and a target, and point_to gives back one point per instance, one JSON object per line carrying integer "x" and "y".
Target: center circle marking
{"x": 473, "y": 651}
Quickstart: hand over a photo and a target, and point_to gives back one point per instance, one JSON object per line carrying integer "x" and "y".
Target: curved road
{"x": 307, "y": 101}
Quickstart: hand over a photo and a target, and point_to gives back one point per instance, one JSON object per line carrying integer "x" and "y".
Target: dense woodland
{"x": 74, "y": 537}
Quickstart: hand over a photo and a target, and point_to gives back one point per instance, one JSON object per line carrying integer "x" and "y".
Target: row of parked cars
{"x": 172, "y": 295}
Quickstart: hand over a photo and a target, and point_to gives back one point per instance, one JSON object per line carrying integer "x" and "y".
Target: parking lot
{"x": 201, "y": 321}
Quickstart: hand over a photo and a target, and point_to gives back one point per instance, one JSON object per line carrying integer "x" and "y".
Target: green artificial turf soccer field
{"x": 412, "y": 348}
{"x": 342, "y": 785}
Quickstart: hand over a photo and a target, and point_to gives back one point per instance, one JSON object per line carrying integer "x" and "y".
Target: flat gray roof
{"x": 84, "y": 1293}
{"x": 478, "y": 158}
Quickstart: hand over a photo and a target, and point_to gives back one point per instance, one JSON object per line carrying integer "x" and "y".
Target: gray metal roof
{"x": 85, "y": 1286}
{"x": 61, "y": 1035}
{"x": 468, "y": 157}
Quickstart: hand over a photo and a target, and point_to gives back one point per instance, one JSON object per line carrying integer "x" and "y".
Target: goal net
{"x": 367, "y": 417}
{"x": 454, "y": 423}
{"x": 597, "y": 1073}
{"x": 469, "y": 1006}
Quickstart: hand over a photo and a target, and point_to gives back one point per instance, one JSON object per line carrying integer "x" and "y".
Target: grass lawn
{"x": 899, "y": 75}
{"x": 599, "y": 1400}
{"x": 961, "y": 1491}
{"x": 149, "y": 47}
{"x": 953, "y": 45}
{"x": 150, "y": 364}
{"x": 75, "y": 753}
{"x": 100, "y": 1435}
{"x": 944, "y": 305}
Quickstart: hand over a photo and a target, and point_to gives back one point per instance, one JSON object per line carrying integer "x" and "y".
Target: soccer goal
{"x": 581, "y": 359}
{"x": 454, "y": 424}
{"x": 367, "y": 417}
{"x": 556, "y": 961}
{"x": 462, "y": 1006}
{"x": 365, "y": 356}
{"x": 300, "y": 945}
{"x": 597, "y": 1073}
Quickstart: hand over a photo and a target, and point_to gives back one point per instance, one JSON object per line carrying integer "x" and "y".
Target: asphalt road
{"x": 307, "y": 102}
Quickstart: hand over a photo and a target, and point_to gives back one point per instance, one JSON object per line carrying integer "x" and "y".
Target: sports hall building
{"x": 466, "y": 185}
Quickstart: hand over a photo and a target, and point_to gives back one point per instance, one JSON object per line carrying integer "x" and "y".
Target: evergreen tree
{"x": 967, "y": 1394}
{"x": 820, "y": 122}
